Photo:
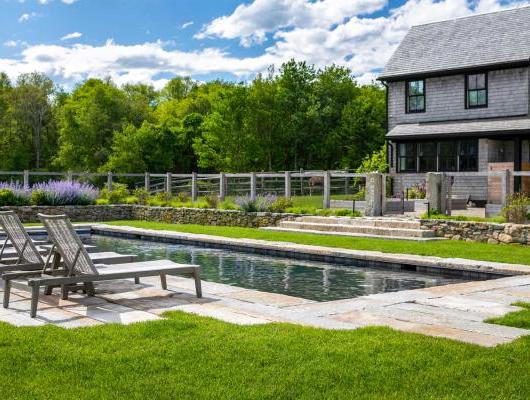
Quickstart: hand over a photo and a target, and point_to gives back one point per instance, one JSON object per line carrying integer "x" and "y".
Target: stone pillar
{"x": 147, "y": 182}
{"x": 109, "y": 181}
{"x": 374, "y": 195}
{"x": 194, "y": 187}
{"x": 26, "y": 179}
{"x": 287, "y": 184}
{"x": 327, "y": 190}
{"x": 222, "y": 186}
{"x": 169, "y": 182}
{"x": 253, "y": 186}
{"x": 437, "y": 191}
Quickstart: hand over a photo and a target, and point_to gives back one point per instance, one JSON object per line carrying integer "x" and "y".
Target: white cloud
{"x": 361, "y": 43}
{"x": 73, "y": 35}
{"x": 186, "y": 25}
{"x": 251, "y": 22}
{"x": 11, "y": 43}
{"x": 69, "y": 1}
{"x": 26, "y": 17}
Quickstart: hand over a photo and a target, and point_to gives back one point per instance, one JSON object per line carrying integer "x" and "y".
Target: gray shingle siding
{"x": 507, "y": 97}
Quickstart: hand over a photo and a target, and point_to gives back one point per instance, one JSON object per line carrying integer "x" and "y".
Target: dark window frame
{"x": 456, "y": 158}
{"x": 408, "y": 96}
{"x": 467, "y": 90}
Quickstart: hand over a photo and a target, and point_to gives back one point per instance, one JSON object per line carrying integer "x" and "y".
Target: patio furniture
{"x": 24, "y": 255}
{"x": 78, "y": 268}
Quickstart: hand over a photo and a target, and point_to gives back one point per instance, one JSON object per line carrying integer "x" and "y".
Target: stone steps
{"x": 367, "y": 227}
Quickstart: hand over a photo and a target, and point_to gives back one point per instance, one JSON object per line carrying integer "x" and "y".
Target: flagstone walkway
{"x": 453, "y": 311}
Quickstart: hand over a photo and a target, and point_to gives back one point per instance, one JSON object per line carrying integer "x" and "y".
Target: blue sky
{"x": 153, "y": 40}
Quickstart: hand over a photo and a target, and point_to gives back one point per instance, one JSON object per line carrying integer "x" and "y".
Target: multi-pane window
{"x": 407, "y": 157}
{"x": 476, "y": 90}
{"x": 448, "y": 155}
{"x": 443, "y": 156}
{"x": 415, "y": 96}
{"x": 468, "y": 155}
{"x": 427, "y": 156}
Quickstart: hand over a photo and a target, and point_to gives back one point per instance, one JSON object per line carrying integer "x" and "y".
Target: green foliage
{"x": 375, "y": 162}
{"x": 7, "y": 198}
{"x": 280, "y": 205}
{"x": 142, "y": 195}
{"x": 227, "y": 205}
{"x": 516, "y": 209}
{"x": 417, "y": 191}
{"x": 211, "y": 200}
{"x": 436, "y": 215}
{"x": 117, "y": 195}
{"x": 102, "y": 202}
{"x": 38, "y": 198}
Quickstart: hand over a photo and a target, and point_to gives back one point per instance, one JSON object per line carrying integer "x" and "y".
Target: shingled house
{"x": 458, "y": 100}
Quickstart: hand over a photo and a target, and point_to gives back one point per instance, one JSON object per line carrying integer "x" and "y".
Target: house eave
{"x": 454, "y": 71}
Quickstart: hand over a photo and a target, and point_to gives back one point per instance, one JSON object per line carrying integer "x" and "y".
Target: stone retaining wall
{"x": 156, "y": 214}
{"x": 208, "y": 216}
{"x": 484, "y": 232}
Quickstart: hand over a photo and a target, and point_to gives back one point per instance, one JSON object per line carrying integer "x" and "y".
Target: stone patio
{"x": 452, "y": 311}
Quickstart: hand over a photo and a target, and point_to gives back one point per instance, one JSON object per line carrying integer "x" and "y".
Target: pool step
{"x": 367, "y": 227}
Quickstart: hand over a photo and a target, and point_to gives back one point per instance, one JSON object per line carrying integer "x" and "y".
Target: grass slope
{"x": 190, "y": 357}
{"x": 445, "y": 248}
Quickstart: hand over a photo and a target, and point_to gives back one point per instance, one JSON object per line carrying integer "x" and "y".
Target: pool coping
{"x": 471, "y": 269}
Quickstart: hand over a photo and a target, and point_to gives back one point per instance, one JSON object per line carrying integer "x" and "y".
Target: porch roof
{"x": 484, "y": 127}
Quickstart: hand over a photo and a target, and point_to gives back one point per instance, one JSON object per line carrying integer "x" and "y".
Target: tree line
{"x": 296, "y": 117}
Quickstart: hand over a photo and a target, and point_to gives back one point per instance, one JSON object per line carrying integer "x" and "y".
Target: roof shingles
{"x": 478, "y": 41}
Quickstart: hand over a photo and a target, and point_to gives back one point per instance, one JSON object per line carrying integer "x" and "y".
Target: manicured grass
{"x": 445, "y": 248}
{"x": 499, "y": 219}
{"x": 519, "y": 319}
{"x": 190, "y": 357}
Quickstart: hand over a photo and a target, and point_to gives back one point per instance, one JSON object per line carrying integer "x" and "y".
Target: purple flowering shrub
{"x": 51, "y": 193}
{"x": 261, "y": 203}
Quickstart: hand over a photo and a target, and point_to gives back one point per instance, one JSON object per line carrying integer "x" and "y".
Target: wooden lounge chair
{"x": 79, "y": 268}
{"x": 23, "y": 254}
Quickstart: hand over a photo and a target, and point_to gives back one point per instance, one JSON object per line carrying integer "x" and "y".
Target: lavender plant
{"x": 59, "y": 193}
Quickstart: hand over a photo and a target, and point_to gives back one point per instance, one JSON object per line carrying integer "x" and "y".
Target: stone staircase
{"x": 388, "y": 228}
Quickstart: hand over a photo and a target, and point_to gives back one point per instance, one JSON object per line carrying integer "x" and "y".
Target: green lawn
{"x": 519, "y": 319}
{"x": 190, "y": 357}
{"x": 444, "y": 248}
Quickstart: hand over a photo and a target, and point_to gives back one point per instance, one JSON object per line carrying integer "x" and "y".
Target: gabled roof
{"x": 481, "y": 127}
{"x": 488, "y": 40}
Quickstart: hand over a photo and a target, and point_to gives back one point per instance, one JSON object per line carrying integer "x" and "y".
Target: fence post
{"x": 253, "y": 186}
{"x": 26, "y": 179}
{"x": 374, "y": 183}
{"x": 301, "y": 182}
{"x": 194, "y": 189}
{"x": 109, "y": 181}
{"x": 287, "y": 184}
{"x": 222, "y": 186}
{"x": 69, "y": 177}
{"x": 327, "y": 190}
{"x": 147, "y": 182}
{"x": 169, "y": 182}
{"x": 383, "y": 195}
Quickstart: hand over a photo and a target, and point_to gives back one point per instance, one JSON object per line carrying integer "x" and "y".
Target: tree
{"x": 31, "y": 101}
{"x": 147, "y": 148}
{"x": 178, "y": 88}
{"x": 88, "y": 120}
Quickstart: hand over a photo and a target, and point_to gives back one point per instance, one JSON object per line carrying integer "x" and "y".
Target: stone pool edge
{"x": 472, "y": 269}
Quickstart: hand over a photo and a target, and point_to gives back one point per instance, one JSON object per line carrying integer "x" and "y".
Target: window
{"x": 427, "y": 156}
{"x": 415, "y": 96}
{"x": 442, "y": 156}
{"x": 407, "y": 157}
{"x": 448, "y": 156}
{"x": 468, "y": 155}
{"x": 476, "y": 90}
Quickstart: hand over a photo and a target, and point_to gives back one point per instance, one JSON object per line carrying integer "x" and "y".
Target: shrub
{"x": 264, "y": 203}
{"x": 38, "y": 198}
{"x": 301, "y": 210}
{"x": 280, "y": 205}
{"x": 131, "y": 200}
{"x": 20, "y": 195}
{"x": 516, "y": 209}
{"x": 102, "y": 202}
{"x": 7, "y": 197}
{"x": 183, "y": 197}
{"x": 246, "y": 204}
{"x": 142, "y": 196}
{"x": 227, "y": 205}
{"x": 61, "y": 193}
{"x": 117, "y": 195}
{"x": 211, "y": 200}
{"x": 418, "y": 191}
{"x": 164, "y": 198}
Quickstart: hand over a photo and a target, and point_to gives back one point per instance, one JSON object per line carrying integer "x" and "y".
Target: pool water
{"x": 307, "y": 279}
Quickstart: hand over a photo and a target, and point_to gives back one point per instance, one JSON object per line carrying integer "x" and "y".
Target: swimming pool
{"x": 307, "y": 279}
